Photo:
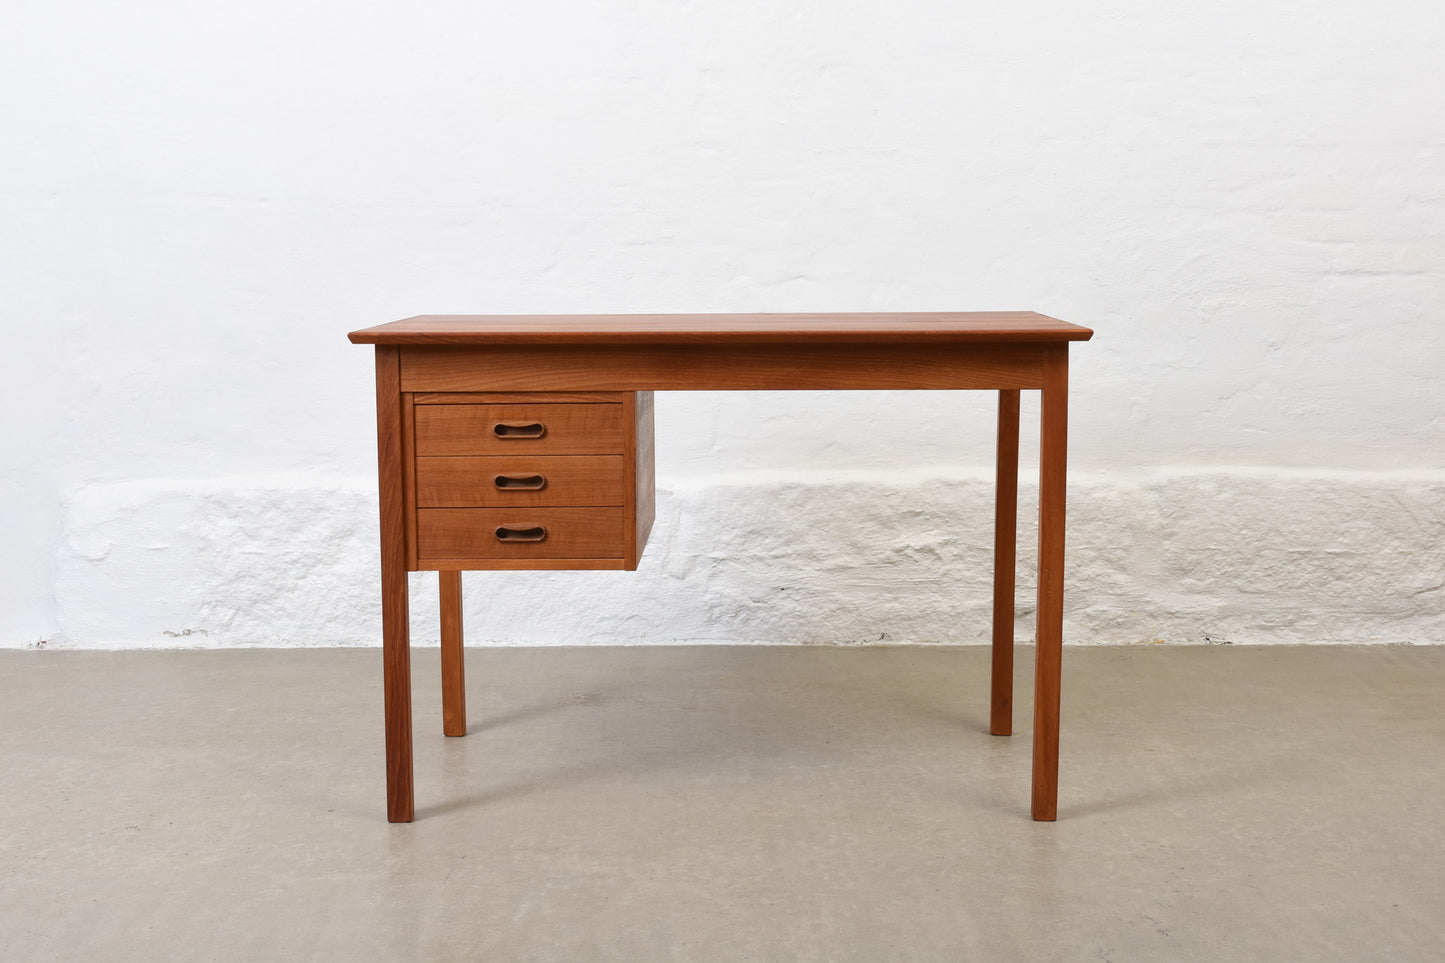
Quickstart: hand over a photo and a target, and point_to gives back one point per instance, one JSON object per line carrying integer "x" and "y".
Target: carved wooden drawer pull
{"x": 520, "y": 483}
{"x": 515, "y": 429}
{"x": 536, "y": 533}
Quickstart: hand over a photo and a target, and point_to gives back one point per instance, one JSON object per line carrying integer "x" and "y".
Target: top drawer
{"x": 538, "y": 429}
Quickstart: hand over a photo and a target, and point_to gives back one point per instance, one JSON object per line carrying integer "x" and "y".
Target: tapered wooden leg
{"x": 1053, "y": 449}
{"x": 395, "y": 617}
{"x": 454, "y": 684}
{"x": 1005, "y": 541}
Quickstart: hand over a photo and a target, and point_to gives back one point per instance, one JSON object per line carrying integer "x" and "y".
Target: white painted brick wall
{"x": 854, "y": 557}
{"x": 1246, "y": 200}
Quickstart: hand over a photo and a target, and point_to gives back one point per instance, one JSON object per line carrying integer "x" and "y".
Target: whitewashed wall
{"x": 1246, "y": 200}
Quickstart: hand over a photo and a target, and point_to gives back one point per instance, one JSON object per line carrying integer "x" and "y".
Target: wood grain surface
{"x": 469, "y": 481}
{"x": 1049, "y": 617}
{"x": 454, "y": 673}
{"x": 567, "y": 430}
{"x": 1005, "y": 553}
{"x": 693, "y": 367}
{"x": 470, "y": 533}
{"x": 866, "y": 327}
{"x": 395, "y": 615}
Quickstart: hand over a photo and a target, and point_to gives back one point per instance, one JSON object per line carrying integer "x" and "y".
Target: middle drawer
{"x": 519, "y": 481}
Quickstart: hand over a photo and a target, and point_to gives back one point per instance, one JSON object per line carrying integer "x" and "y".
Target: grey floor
{"x": 720, "y": 803}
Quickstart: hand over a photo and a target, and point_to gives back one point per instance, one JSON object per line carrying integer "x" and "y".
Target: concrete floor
{"x": 720, "y": 803}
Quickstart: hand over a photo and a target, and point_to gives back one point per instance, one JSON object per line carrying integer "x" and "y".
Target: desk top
{"x": 983, "y": 327}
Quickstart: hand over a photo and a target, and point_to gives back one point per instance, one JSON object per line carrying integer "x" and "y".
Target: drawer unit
{"x": 500, "y": 480}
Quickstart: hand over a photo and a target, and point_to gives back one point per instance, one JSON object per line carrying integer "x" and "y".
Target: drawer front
{"x": 525, "y": 533}
{"x": 520, "y": 481}
{"x": 523, "y": 429}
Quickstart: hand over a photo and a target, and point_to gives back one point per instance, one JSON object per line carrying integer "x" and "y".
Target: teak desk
{"x": 526, "y": 442}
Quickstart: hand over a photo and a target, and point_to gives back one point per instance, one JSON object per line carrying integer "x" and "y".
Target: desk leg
{"x": 1005, "y": 544}
{"x": 1053, "y": 457}
{"x": 395, "y": 617}
{"x": 454, "y": 685}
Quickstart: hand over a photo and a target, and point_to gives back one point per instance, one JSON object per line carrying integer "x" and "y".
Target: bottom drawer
{"x": 521, "y": 533}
